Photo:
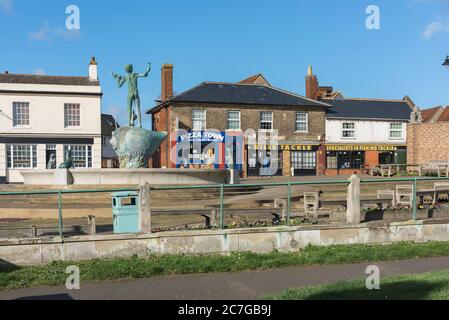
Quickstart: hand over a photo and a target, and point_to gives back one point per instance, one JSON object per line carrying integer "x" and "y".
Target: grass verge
{"x": 12, "y": 277}
{"x": 426, "y": 286}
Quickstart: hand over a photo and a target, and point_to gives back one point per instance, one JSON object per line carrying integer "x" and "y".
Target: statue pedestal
{"x": 62, "y": 177}
{"x": 135, "y": 146}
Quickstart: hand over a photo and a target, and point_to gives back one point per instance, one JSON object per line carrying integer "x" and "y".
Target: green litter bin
{"x": 125, "y": 212}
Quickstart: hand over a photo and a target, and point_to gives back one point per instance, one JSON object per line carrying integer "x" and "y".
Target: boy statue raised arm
{"x": 133, "y": 91}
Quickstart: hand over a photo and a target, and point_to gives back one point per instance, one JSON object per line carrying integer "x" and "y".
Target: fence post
{"x": 353, "y": 200}
{"x": 60, "y": 213}
{"x": 145, "y": 209}
{"x": 414, "y": 201}
{"x": 221, "y": 206}
{"x": 289, "y": 202}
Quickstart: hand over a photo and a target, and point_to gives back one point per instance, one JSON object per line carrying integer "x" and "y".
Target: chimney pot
{"x": 310, "y": 71}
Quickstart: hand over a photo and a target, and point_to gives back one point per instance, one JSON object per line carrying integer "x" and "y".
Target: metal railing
{"x": 222, "y": 187}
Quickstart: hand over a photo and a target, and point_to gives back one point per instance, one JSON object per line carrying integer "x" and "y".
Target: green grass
{"x": 427, "y": 286}
{"x": 12, "y": 277}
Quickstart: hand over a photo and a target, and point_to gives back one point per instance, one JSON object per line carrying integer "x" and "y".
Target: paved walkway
{"x": 226, "y": 286}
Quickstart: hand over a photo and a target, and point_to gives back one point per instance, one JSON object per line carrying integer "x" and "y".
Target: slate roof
{"x": 108, "y": 125}
{"x": 48, "y": 80}
{"x": 249, "y": 94}
{"x": 369, "y": 109}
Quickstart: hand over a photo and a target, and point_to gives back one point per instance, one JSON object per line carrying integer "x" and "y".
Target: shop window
{"x": 332, "y": 161}
{"x": 81, "y": 155}
{"x": 199, "y": 153}
{"x": 21, "y": 156}
{"x": 348, "y": 131}
{"x": 303, "y": 160}
{"x": 396, "y": 131}
{"x": 345, "y": 160}
{"x": 386, "y": 158}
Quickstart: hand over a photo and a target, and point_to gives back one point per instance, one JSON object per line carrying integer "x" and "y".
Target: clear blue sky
{"x": 230, "y": 40}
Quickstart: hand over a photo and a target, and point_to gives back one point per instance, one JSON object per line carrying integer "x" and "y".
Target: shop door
{"x": 400, "y": 157}
{"x": 304, "y": 163}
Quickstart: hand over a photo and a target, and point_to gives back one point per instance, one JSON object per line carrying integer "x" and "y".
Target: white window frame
{"x": 266, "y": 121}
{"x": 203, "y": 119}
{"x": 68, "y": 122}
{"x": 13, "y": 148}
{"x": 343, "y": 129}
{"x": 18, "y": 122}
{"x": 401, "y": 131}
{"x": 234, "y": 120}
{"x": 86, "y": 152}
{"x": 298, "y": 122}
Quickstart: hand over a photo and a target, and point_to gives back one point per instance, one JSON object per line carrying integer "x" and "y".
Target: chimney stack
{"x": 167, "y": 82}
{"x": 93, "y": 70}
{"x": 311, "y": 85}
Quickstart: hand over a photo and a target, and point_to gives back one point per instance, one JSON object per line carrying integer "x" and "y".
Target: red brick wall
{"x": 161, "y": 122}
{"x": 371, "y": 158}
{"x": 427, "y": 142}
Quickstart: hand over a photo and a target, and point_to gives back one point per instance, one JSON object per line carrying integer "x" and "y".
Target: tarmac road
{"x": 247, "y": 285}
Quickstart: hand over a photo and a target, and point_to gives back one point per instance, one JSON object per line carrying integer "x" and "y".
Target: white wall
{"x": 47, "y": 119}
{"x": 365, "y": 132}
{"x": 47, "y": 114}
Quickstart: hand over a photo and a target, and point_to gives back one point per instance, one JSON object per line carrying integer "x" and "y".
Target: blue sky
{"x": 230, "y": 40}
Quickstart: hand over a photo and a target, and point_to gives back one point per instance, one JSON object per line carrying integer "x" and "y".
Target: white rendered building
{"x": 43, "y": 116}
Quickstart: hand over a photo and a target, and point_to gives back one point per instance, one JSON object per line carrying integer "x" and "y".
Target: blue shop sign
{"x": 203, "y": 136}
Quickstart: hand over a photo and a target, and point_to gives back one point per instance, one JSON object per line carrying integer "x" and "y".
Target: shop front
{"x": 209, "y": 150}
{"x": 347, "y": 159}
{"x": 287, "y": 159}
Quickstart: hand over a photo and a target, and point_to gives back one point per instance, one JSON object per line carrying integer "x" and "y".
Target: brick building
{"x": 427, "y": 139}
{"x": 212, "y": 112}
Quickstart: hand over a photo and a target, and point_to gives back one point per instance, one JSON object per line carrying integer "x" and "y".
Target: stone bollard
{"x": 213, "y": 218}
{"x": 145, "y": 209}
{"x": 33, "y": 231}
{"x": 353, "y": 206}
{"x": 93, "y": 225}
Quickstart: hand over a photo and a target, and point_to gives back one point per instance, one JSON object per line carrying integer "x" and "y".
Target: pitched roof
{"x": 256, "y": 79}
{"x": 369, "y": 109}
{"x": 444, "y": 116}
{"x": 233, "y": 93}
{"x": 108, "y": 125}
{"x": 432, "y": 114}
{"x": 48, "y": 80}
